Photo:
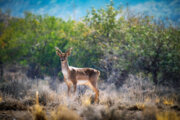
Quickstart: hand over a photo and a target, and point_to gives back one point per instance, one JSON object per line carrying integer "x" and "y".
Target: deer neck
{"x": 65, "y": 68}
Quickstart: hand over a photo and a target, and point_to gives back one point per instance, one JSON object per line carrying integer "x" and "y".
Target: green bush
{"x": 107, "y": 40}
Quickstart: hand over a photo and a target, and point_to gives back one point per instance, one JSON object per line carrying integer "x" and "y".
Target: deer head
{"x": 63, "y": 56}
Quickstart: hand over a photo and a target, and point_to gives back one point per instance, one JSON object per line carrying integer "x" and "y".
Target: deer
{"x": 78, "y": 76}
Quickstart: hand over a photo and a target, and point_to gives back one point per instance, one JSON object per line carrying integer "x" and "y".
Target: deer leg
{"x": 69, "y": 88}
{"x": 97, "y": 94}
{"x": 69, "y": 84}
{"x": 93, "y": 87}
{"x": 75, "y": 86}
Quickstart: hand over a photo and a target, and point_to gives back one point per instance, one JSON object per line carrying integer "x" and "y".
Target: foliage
{"x": 106, "y": 39}
{"x": 135, "y": 43}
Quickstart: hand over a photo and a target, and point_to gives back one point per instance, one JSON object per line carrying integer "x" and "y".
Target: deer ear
{"x": 68, "y": 52}
{"x": 58, "y": 50}
{"x": 58, "y": 53}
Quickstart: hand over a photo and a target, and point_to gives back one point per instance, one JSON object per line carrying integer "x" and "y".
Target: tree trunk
{"x": 1, "y": 70}
{"x": 155, "y": 80}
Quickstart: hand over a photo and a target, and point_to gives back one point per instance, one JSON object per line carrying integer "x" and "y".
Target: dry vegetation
{"x": 137, "y": 99}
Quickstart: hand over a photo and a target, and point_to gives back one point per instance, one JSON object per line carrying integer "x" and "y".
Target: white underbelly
{"x": 82, "y": 82}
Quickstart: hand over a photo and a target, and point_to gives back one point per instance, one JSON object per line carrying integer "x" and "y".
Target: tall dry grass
{"x": 136, "y": 99}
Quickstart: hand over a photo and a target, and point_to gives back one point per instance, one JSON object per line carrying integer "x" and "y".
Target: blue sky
{"x": 67, "y": 8}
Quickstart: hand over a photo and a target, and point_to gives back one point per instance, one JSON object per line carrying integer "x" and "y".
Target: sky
{"x": 76, "y": 9}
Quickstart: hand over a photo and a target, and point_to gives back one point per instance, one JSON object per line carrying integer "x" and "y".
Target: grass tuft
{"x": 167, "y": 115}
{"x": 168, "y": 102}
{"x": 37, "y": 110}
{"x": 63, "y": 113}
{"x": 38, "y": 113}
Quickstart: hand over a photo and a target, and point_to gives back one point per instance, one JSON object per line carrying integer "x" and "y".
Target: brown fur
{"x": 74, "y": 75}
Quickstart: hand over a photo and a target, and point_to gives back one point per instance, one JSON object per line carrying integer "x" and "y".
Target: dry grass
{"x": 86, "y": 100}
{"x": 63, "y": 113}
{"x": 38, "y": 112}
{"x": 137, "y": 99}
{"x": 1, "y": 99}
{"x": 167, "y": 115}
{"x": 149, "y": 113}
{"x": 140, "y": 106}
{"x": 167, "y": 101}
{"x": 12, "y": 104}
